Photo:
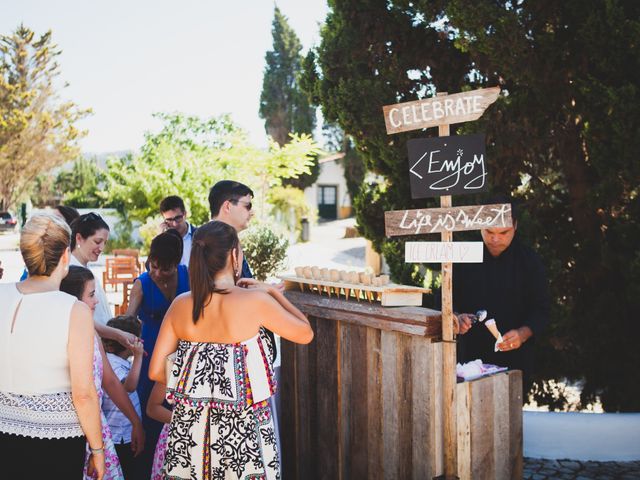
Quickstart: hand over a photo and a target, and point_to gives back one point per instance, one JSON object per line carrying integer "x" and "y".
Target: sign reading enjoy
{"x": 431, "y": 112}
{"x": 452, "y": 219}
{"x": 447, "y": 165}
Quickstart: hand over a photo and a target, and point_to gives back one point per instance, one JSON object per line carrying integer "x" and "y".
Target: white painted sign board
{"x": 443, "y": 252}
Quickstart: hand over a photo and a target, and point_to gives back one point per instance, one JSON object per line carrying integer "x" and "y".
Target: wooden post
{"x": 449, "y": 417}
{"x": 441, "y": 112}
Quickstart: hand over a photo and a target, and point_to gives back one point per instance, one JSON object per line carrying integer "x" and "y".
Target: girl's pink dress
{"x": 112, "y": 463}
{"x": 158, "y": 457}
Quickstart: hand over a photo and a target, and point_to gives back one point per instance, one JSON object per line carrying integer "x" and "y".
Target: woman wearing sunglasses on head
{"x": 89, "y": 235}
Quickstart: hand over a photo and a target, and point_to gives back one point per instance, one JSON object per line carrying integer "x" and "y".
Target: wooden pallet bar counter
{"x": 363, "y": 400}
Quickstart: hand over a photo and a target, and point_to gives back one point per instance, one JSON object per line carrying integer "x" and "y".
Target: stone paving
{"x": 540, "y": 469}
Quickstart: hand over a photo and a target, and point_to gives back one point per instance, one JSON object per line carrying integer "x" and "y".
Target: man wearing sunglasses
{"x": 231, "y": 202}
{"x": 174, "y": 213}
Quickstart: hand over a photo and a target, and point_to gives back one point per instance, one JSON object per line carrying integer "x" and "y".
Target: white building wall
{"x": 331, "y": 174}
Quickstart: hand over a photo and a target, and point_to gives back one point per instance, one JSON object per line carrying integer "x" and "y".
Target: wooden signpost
{"x": 441, "y": 111}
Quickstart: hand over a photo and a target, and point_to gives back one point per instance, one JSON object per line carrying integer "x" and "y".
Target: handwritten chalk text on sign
{"x": 443, "y": 252}
{"x": 441, "y": 110}
{"x": 451, "y": 219}
{"x": 447, "y": 165}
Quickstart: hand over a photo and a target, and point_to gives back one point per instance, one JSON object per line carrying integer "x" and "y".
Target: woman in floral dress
{"x": 80, "y": 283}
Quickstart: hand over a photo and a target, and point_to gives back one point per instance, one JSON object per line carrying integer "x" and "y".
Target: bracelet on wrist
{"x": 96, "y": 451}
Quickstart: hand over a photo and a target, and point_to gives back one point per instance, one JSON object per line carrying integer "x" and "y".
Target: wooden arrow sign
{"x": 451, "y": 219}
{"x": 446, "y": 109}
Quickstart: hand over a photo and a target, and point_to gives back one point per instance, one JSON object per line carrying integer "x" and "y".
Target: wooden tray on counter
{"x": 390, "y": 295}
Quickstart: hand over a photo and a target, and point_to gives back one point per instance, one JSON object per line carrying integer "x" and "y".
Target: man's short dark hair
{"x": 500, "y": 197}
{"x": 226, "y": 190}
{"x": 172, "y": 202}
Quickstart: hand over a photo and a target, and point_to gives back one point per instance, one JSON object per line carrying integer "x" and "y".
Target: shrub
{"x": 264, "y": 250}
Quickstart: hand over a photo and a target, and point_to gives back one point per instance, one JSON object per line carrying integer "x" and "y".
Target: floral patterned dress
{"x": 112, "y": 464}
{"x": 158, "y": 456}
{"x": 221, "y": 427}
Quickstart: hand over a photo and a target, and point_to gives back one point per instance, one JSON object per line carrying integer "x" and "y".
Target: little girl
{"x": 80, "y": 283}
{"x": 157, "y": 411}
{"x": 128, "y": 373}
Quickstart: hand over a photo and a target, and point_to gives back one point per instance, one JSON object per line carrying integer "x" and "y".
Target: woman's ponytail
{"x": 210, "y": 250}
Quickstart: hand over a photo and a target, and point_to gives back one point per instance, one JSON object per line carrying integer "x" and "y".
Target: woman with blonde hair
{"x": 48, "y": 401}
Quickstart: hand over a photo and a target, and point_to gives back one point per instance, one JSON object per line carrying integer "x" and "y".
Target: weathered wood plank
{"x": 422, "y": 447}
{"x": 411, "y": 320}
{"x": 448, "y": 219}
{"x": 404, "y": 387}
{"x": 390, "y": 402}
{"x": 334, "y": 309}
{"x": 482, "y": 424}
{"x": 327, "y": 344}
{"x": 515, "y": 424}
{"x": 345, "y": 424}
{"x": 501, "y": 427}
{"x": 302, "y": 410}
{"x": 288, "y": 396}
{"x": 355, "y": 448}
{"x": 375, "y": 441}
{"x": 437, "y": 408}
{"x": 431, "y": 112}
{"x": 464, "y": 430}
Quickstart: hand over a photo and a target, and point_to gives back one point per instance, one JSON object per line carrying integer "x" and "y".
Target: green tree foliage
{"x": 189, "y": 155}
{"x": 284, "y": 107}
{"x": 560, "y": 138}
{"x": 80, "y": 186}
{"x": 37, "y": 128}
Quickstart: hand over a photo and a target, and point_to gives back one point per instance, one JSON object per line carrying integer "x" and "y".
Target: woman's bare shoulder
{"x": 183, "y": 299}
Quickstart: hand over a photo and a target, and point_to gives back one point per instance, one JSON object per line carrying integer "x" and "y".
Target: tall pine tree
{"x": 284, "y": 107}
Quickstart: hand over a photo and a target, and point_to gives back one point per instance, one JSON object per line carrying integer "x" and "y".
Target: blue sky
{"x": 126, "y": 60}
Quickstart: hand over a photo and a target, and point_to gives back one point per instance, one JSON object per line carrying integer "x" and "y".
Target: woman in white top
{"x": 89, "y": 235}
{"x": 48, "y": 400}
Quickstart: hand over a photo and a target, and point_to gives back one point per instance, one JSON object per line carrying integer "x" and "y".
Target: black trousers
{"x": 127, "y": 460}
{"x": 27, "y": 458}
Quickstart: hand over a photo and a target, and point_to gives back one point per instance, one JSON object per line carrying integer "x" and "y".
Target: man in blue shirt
{"x": 174, "y": 214}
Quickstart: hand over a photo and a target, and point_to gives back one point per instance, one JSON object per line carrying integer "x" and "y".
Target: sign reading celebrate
{"x": 451, "y": 219}
{"x": 447, "y": 165}
{"x": 431, "y": 112}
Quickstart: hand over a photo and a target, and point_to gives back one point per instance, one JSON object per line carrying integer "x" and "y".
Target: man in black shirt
{"x": 511, "y": 285}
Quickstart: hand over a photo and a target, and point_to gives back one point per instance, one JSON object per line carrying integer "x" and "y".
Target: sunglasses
{"x": 89, "y": 217}
{"x": 247, "y": 205}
